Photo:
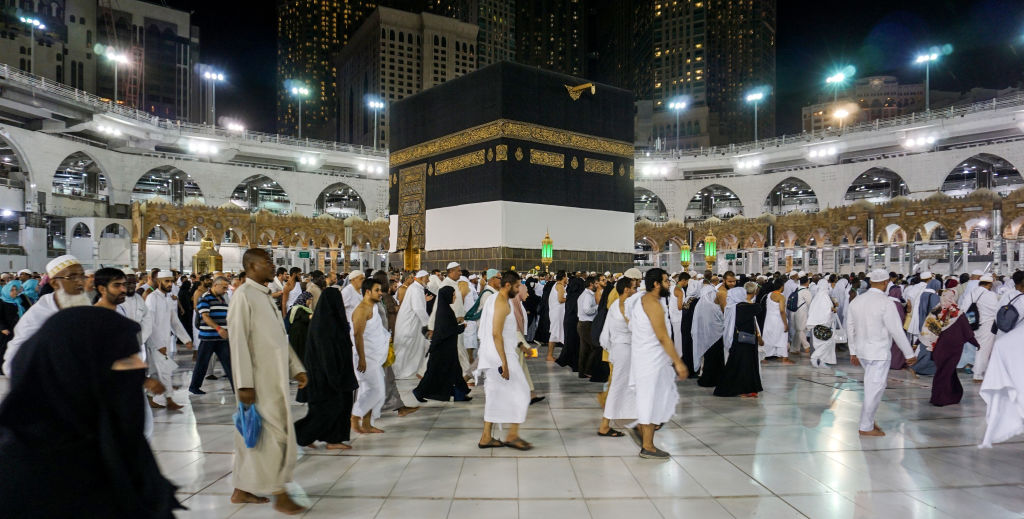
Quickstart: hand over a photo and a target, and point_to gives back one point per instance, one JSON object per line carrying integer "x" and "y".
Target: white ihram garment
{"x": 675, "y": 317}
{"x": 410, "y": 344}
{"x": 615, "y": 339}
{"x": 651, "y": 373}
{"x": 820, "y": 313}
{"x": 505, "y": 401}
{"x": 988, "y": 305}
{"x": 1003, "y": 389}
{"x": 556, "y": 313}
{"x": 776, "y": 340}
{"x": 371, "y": 393}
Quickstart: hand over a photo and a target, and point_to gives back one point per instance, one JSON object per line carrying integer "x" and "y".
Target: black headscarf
{"x": 445, "y": 323}
{"x": 328, "y": 357}
{"x": 543, "y": 332}
{"x": 70, "y": 421}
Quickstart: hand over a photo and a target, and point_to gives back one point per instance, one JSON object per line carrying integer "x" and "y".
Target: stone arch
{"x": 647, "y": 204}
{"x": 115, "y": 230}
{"x": 169, "y": 182}
{"x": 81, "y": 230}
{"x": 982, "y": 171}
{"x": 876, "y": 185}
{"x": 81, "y": 175}
{"x": 260, "y": 192}
{"x": 792, "y": 194}
{"x": 13, "y": 167}
{"x": 161, "y": 232}
{"x": 196, "y": 233}
{"x": 341, "y": 201}
{"x": 647, "y": 241}
{"x": 714, "y": 200}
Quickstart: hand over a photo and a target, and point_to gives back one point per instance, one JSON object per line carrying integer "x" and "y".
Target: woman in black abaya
{"x": 332, "y": 378}
{"x": 71, "y": 441}
{"x": 570, "y": 355}
{"x": 443, "y": 378}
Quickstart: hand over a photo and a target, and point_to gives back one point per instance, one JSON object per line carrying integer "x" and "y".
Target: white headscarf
{"x": 820, "y": 309}
{"x": 734, "y": 296}
{"x": 708, "y": 323}
{"x": 841, "y": 293}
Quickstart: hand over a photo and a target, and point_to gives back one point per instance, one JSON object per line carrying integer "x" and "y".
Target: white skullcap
{"x": 607, "y": 274}
{"x": 926, "y": 275}
{"x": 452, "y": 265}
{"x": 633, "y": 273}
{"x": 161, "y": 274}
{"x": 422, "y": 273}
{"x": 801, "y": 273}
{"x": 128, "y": 272}
{"x": 878, "y": 276}
{"x": 986, "y": 278}
{"x": 355, "y": 274}
{"x": 56, "y": 265}
{"x": 700, "y": 276}
{"x": 24, "y": 271}
{"x": 463, "y": 279}
{"x": 976, "y": 272}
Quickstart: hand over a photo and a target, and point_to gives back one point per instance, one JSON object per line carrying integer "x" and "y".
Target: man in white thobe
{"x": 67, "y": 277}
{"x": 166, "y": 331}
{"x": 652, "y": 361}
{"x": 873, "y": 326}
{"x": 134, "y": 308}
{"x": 261, "y": 364}
{"x": 410, "y": 344}
{"x": 615, "y": 339}
{"x": 1003, "y": 387}
{"x": 352, "y": 294}
{"x": 506, "y": 391}
{"x": 988, "y": 305}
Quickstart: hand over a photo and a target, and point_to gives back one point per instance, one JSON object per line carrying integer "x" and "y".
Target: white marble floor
{"x": 794, "y": 452}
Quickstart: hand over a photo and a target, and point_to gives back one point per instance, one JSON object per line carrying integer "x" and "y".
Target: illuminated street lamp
{"x": 118, "y": 59}
{"x": 838, "y": 80}
{"x": 299, "y": 92}
{"x": 375, "y": 104}
{"x": 755, "y": 96}
{"x": 927, "y": 58}
{"x": 213, "y": 77}
{"x": 841, "y": 114}
{"x": 547, "y": 251}
{"x": 684, "y": 255}
{"x": 677, "y": 106}
{"x": 33, "y": 24}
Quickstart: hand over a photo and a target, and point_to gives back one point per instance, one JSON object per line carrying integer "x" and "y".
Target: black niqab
{"x": 72, "y": 427}
{"x": 544, "y": 317}
{"x": 328, "y": 356}
{"x": 445, "y": 323}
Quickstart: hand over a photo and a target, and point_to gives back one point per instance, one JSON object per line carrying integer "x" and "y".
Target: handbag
{"x": 838, "y": 332}
{"x": 391, "y": 355}
{"x": 822, "y": 332}
{"x": 249, "y": 424}
{"x": 746, "y": 338}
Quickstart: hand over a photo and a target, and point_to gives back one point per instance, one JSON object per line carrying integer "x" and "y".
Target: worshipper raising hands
{"x": 72, "y": 425}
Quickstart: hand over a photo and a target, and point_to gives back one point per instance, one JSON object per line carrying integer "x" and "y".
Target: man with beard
{"x": 653, "y": 359}
{"x": 67, "y": 278}
{"x": 166, "y": 331}
{"x": 134, "y": 308}
{"x": 370, "y": 336}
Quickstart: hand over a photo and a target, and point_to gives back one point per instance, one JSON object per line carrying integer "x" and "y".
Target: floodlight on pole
{"x": 927, "y": 58}
{"x": 118, "y": 59}
{"x": 213, "y": 77}
{"x": 755, "y": 97}
{"x": 299, "y": 92}
{"x": 375, "y": 104}
{"x": 841, "y": 114}
{"x": 33, "y": 24}
{"x": 677, "y": 106}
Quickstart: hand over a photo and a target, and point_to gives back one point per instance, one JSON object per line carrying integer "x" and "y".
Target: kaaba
{"x": 486, "y": 165}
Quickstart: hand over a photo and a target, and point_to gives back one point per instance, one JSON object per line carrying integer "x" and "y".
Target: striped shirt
{"x": 217, "y": 309}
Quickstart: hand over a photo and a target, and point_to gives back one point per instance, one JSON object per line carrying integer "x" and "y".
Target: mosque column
{"x": 997, "y": 240}
{"x": 1010, "y": 247}
{"x": 966, "y": 244}
{"x": 870, "y": 256}
{"x": 347, "y": 253}
{"x": 821, "y": 260}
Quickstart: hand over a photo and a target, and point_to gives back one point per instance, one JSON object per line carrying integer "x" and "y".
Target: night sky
{"x": 877, "y": 37}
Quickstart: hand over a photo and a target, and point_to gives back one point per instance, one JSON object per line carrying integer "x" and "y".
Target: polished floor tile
{"x": 793, "y": 452}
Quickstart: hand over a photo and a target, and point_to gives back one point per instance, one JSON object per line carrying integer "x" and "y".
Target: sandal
{"x": 612, "y": 433}
{"x": 518, "y": 444}
{"x": 491, "y": 444}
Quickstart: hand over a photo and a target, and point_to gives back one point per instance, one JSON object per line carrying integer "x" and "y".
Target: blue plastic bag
{"x": 249, "y": 424}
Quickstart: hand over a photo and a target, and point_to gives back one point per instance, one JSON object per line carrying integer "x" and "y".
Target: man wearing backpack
{"x": 1011, "y": 306}
{"x": 984, "y": 304}
{"x": 797, "y": 304}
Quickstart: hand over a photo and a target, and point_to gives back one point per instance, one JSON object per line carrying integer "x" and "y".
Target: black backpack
{"x": 972, "y": 315}
{"x": 1006, "y": 317}
{"x": 793, "y": 302}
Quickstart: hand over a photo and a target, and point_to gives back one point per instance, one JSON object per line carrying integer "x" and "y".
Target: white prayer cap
{"x": 56, "y": 265}
{"x": 452, "y": 265}
{"x": 633, "y": 273}
{"x": 128, "y": 272}
{"x": 801, "y": 273}
{"x": 473, "y": 277}
{"x": 926, "y": 275}
{"x": 977, "y": 273}
{"x": 463, "y": 279}
{"x": 422, "y": 274}
{"x": 607, "y": 274}
{"x": 878, "y": 276}
{"x": 162, "y": 274}
{"x": 699, "y": 276}
{"x": 24, "y": 271}
{"x": 986, "y": 278}
{"x": 356, "y": 274}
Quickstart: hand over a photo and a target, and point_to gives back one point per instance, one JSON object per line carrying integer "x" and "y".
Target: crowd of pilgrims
{"x": 345, "y": 340}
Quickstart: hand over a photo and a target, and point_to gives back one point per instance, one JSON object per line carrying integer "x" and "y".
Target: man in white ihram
{"x": 410, "y": 345}
{"x": 873, "y": 326}
{"x": 165, "y": 332}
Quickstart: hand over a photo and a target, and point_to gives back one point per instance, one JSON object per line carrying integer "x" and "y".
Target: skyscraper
{"x": 621, "y": 46}
{"x": 551, "y": 34}
{"x": 496, "y": 19}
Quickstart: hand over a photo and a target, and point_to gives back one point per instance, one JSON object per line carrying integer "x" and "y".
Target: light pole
{"x": 117, "y": 59}
{"x": 755, "y": 97}
{"x": 33, "y": 24}
{"x": 213, "y": 77}
{"x": 299, "y": 92}
{"x": 376, "y": 105}
{"x": 927, "y": 59}
{"x": 677, "y": 107}
{"x": 841, "y": 114}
